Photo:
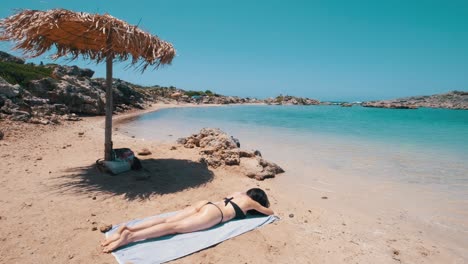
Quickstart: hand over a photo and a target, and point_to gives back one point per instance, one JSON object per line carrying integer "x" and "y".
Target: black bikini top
{"x": 239, "y": 213}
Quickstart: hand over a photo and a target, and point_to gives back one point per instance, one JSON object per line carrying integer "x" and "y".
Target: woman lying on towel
{"x": 200, "y": 216}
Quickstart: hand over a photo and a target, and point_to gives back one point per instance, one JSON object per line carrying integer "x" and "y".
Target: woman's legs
{"x": 207, "y": 217}
{"x": 155, "y": 221}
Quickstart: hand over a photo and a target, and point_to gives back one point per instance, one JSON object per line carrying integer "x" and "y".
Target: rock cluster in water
{"x": 451, "y": 100}
{"x": 291, "y": 100}
{"x": 218, "y": 149}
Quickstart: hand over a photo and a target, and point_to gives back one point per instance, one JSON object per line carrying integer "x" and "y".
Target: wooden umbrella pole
{"x": 109, "y": 103}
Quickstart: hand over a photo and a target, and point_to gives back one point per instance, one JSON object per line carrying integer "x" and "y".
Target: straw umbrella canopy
{"x": 94, "y": 36}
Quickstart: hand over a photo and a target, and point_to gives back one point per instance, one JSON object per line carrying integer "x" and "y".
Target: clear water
{"x": 425, "y": 148}
{"x": 432, "y": 128}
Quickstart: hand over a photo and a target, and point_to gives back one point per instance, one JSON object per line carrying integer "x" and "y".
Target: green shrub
{"x": 21, "y": 74}
{"x": 194, "y": 93}
{"x": 279, "y": 99}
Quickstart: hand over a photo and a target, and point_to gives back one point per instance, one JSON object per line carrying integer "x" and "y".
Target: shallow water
{"x": 423, "y": 151}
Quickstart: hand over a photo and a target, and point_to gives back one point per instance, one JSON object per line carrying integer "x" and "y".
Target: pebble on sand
{"x": 105, "y": 228}
{"x": 144, "y": 152}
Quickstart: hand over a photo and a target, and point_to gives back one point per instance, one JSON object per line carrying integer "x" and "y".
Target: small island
{"x": 450, "y": 100}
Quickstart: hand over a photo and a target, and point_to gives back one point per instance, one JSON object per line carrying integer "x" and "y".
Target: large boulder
{"x": 218, "y": 149}
{"x": 259, "y": 168}
{"x": 8, "y": 90}
{"x": 34, "y": 101}
{"x": 61, "y": 70}
{"x": 18, "y": 115}
{"x": 8, "y": 107}
{"x": 82, "y": 99}
{"x": 251, "y": 167}
{"x": 124, "y": 93}
{"x": 41, "y": 87}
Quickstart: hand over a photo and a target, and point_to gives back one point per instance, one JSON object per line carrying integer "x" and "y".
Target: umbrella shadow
{"x": 164, "y": 176}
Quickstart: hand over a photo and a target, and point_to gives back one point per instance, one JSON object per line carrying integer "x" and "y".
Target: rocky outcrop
{"x": 219, "y": 149}
{"x": 219, "y": 99}
{"x": 126, "y": 95}
{"x": 451, "y": 100}
{"x": 78, "y": 95}
{"x": 10, "y": 58}
{"x": 389, "y": 104}
{"x": 60, "y": 71}
{"x": 8, "y": 90}
{"x": 291, "y": 100}
{"x": 50, "y": 100}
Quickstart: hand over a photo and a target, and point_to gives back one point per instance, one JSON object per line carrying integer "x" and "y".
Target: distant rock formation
{"x": 218, "y": 149}
{"x": 291, "y": 100}
{"x": 451, "y": 100}
{"x": 217, "y": 99}
{"x": 10, "y": 58}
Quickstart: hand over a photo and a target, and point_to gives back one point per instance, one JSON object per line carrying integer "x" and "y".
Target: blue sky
{"x": 328, "y": 50}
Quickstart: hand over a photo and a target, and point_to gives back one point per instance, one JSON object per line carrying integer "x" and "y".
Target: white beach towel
{"x": 171, "y": 247}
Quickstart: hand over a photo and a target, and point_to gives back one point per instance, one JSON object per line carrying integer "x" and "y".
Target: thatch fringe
{"x": 73, "y": 34}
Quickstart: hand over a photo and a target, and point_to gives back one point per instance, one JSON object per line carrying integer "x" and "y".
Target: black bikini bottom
{"x": 222, "y": 215}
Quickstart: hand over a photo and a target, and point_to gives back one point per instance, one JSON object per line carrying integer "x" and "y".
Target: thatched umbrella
{"x": 94, "y": 36}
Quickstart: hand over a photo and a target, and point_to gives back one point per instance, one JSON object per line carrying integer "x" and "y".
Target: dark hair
{"x": 260, "y": 197}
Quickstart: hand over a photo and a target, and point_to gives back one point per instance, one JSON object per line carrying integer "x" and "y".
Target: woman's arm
{"x": 261, "y": 209}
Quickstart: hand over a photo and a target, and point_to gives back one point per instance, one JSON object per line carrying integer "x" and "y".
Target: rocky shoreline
{"x": 450, "y": 100}
{"x": 49, "y": 94}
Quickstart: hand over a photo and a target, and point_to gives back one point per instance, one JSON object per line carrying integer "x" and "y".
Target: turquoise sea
{"x": 423, "y": 149}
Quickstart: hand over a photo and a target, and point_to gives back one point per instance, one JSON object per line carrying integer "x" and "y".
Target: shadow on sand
{"x": 165, "y": 176}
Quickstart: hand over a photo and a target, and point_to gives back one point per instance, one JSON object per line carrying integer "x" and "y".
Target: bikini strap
{"x": 221, "y": 211}
{"x": 239, "y": 213}
{"x": 227, "y": 200}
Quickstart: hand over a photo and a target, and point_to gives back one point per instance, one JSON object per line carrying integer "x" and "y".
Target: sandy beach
{"x": 53, "y": 199}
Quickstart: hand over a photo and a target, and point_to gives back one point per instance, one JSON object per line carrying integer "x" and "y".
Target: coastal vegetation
{"x": 22, "y": 74}
{"x": 201, "y": 93}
